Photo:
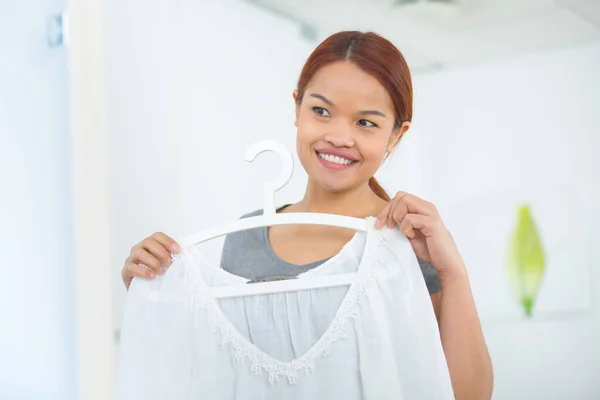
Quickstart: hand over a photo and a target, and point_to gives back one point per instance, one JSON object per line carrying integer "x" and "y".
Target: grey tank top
{"x": 249, "y": 254}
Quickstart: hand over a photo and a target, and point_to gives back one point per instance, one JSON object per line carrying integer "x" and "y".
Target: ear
{"x": 295, "y": 95}
{"x": 397, "y": 135}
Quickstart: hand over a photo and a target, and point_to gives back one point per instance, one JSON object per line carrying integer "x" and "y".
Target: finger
{"x": 141, "y": 256}
{"x": 167, "y": 242}
{"x": 413, "y": 222}
{"x": 156, "y": 249}
{"x": 408, "y": 203}
{"x": 398, "y": 211}
{"x": 383, "y": 216}
{"x": 418, "y": 205}
{"x": 135, "y": 270}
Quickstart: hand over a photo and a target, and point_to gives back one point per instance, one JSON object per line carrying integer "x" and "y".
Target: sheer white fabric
{"x": 377, "y": 339}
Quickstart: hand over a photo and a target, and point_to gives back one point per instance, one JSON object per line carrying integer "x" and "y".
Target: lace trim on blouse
{"x": 260, "y": 362}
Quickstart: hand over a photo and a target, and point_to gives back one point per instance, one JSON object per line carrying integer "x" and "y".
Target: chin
{"x": 332, "y": 184}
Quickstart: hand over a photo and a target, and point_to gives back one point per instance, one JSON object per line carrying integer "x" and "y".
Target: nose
{"x": 341, "y": 138}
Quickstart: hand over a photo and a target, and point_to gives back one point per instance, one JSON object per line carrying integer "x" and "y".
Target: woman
{"x": 353, "y": 105}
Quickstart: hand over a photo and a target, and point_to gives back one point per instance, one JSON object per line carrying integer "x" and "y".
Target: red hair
{"x": 376, "y": 56}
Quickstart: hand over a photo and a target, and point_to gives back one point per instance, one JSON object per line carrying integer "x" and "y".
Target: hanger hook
{"x": 285, "y": 173}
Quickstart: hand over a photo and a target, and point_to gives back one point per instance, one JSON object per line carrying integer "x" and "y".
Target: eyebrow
{"x": 322, "y": 98}
{"x": 330, "y": 103}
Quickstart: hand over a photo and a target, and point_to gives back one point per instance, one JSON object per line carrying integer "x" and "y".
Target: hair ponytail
{"x": 377, "y": 189}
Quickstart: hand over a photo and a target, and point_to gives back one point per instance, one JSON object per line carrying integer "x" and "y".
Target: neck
{"x": 358, "y": 202}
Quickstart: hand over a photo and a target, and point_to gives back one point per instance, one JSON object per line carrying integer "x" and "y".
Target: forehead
{"x": 344, "y": 82}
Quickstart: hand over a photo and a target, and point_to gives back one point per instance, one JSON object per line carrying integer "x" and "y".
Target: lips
{"x": 335, "y": 160}
{"x": 337, "y": 153}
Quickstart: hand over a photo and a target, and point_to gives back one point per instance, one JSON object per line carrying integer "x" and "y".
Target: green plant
{"x": 526, "y": 260}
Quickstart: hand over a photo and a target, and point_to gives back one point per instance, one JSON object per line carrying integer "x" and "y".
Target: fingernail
{"x": 176, "y": 248}
{"x": 152, "y": 276}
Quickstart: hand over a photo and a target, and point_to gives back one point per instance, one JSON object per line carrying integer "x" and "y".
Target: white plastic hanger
{"x": 271, "y": 218}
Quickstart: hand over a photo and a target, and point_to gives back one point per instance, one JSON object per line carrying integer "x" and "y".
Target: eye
{"x": 321, "y": 111}
{"x": 366, "y": 123}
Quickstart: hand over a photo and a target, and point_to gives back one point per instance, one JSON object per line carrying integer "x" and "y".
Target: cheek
{"x": 307, "y": 131}
{"x": 304, "y": 142}
{"x": 372, "y": 149}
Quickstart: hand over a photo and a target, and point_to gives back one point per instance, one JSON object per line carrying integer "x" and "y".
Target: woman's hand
{"x": 420, "y": 221}
{"x": 150, "y": 257}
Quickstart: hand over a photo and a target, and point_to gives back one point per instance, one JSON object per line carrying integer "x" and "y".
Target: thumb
{"x": 383, "y": 216}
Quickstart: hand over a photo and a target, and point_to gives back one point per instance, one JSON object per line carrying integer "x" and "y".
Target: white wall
{"x": 187, "y": 99}
{"x": 528, "y": 123}
{"x": 37, "y": 288}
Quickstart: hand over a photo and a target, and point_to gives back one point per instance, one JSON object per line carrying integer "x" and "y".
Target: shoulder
{"x": 243, "y": 236}
{"x": 246, "y": 239}
{"x": 254, "y": 213}
{"x": 401, "y": 247}
{"x": 242, "y": 242}
{"x": 432, "y": 279}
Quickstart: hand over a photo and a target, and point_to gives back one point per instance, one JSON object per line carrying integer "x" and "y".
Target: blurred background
{"x": 119, "y": 119}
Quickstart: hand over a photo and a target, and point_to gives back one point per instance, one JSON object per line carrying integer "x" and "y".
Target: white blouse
{"x": 377, "y": 339}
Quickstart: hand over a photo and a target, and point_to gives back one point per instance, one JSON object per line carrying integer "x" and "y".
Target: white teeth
{"x": 335, "y": 159}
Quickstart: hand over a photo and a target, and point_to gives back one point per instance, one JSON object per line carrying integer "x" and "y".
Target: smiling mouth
{"x": 336, "y": 160}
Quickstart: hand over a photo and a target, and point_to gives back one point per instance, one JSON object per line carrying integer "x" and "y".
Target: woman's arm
{"x": 462, "y": 337}
{"x": 466, "y": 353}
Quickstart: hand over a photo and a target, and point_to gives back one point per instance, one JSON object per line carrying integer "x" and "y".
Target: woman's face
{"x": 345, "y": 126}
